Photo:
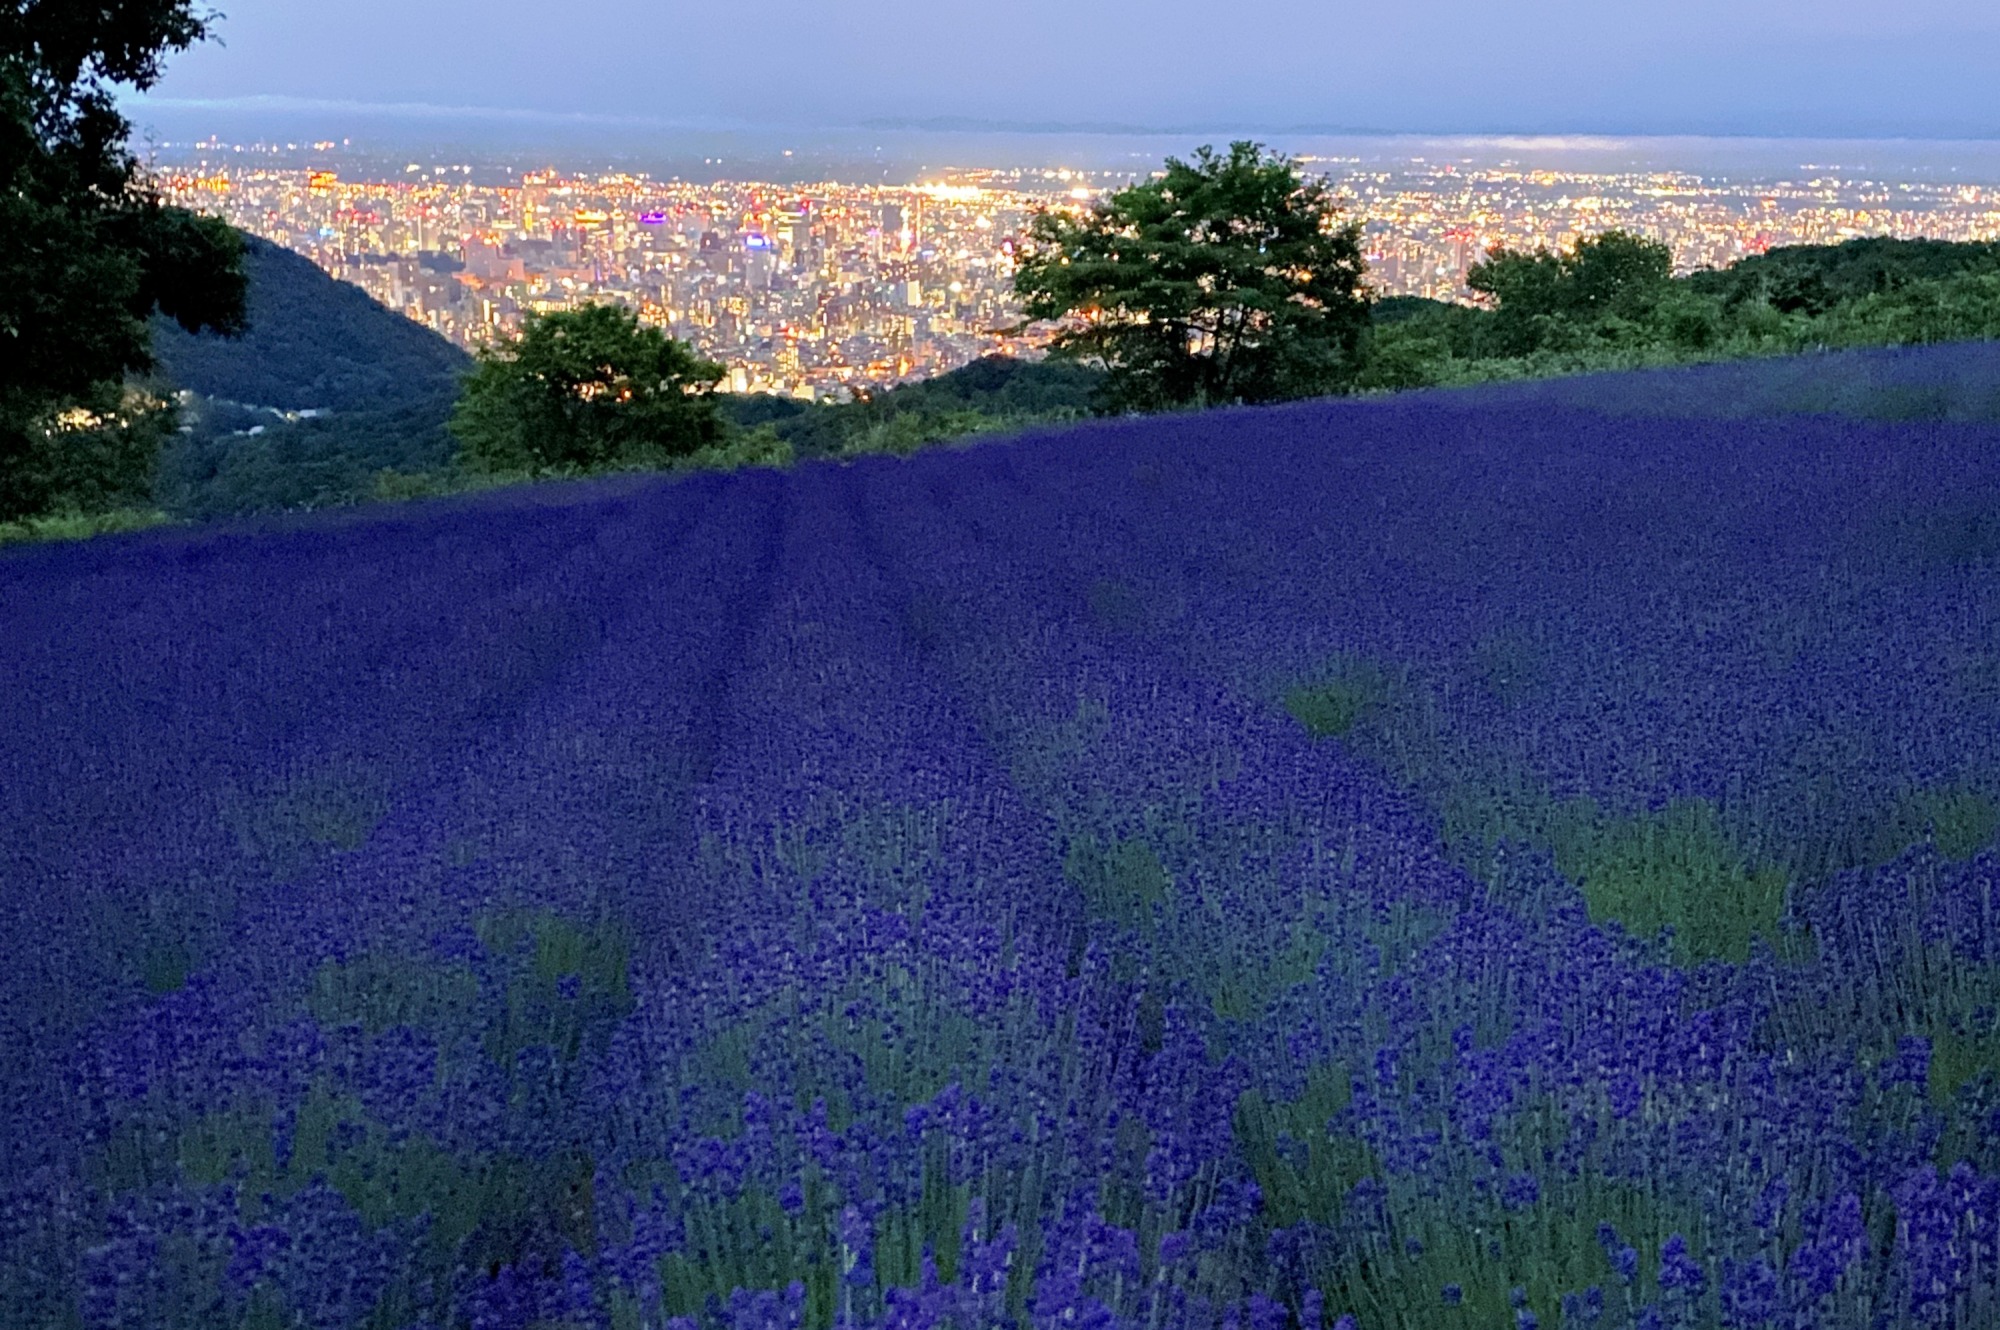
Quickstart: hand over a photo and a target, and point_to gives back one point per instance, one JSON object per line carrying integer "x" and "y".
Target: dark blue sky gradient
{"x": 1920, "y": 68}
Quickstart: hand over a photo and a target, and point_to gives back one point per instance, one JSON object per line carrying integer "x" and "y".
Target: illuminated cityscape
{"x": 1428, "y": 223}
{"x": 816, "y": 289}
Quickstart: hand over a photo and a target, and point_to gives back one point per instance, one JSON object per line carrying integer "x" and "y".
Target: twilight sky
{"x": 1919, "y": 68}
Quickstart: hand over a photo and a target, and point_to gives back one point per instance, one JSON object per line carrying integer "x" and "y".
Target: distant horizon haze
{"x": 1922, "y": 69}
{"x": 360, "y": 141}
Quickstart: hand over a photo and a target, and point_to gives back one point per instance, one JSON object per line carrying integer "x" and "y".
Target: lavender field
{"x": 1433, "y": 863}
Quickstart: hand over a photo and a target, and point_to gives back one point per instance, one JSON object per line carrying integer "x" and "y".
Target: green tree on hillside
{"x": 586, "y": 389}
{"x": 88, "y": 252}
{"x": 1600, "y": 286}
{"x": 1227, "y": 278}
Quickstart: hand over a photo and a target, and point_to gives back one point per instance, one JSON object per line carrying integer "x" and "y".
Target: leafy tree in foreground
{"x": 87, "y": 251}
{"x": 1228, "y": 278}
{"x": 585, "y": 389}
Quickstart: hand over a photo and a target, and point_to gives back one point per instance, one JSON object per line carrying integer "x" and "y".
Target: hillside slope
{"x": 1953, "y": 381}
{"x": 314, "y": 343}
{"x": 1256, "y": 867}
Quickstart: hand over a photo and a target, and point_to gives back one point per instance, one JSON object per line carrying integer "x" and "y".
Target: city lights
{"x": 819, "y": 289}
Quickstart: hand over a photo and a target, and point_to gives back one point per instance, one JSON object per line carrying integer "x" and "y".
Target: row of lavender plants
{"x": 1874, "y": 981}
{"x": 1379, "y": 867}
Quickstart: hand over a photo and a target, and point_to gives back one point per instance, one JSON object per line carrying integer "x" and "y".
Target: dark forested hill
{"x": 1814, "y": 278}
{"x": 313, "y": 342}
{"x": 386, "y": 384}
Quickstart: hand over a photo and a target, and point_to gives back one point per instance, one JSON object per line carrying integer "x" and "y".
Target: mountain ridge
{"x": 314, "y": 342}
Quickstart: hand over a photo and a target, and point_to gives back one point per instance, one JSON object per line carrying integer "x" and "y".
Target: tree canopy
{"x": 1813, "y": 279}
{"x": 585, "y": 389}
{"x": 1541, "y": 294}
{"x": 1229, "y": 277}
{"x": 87, "y": 250}
{"x": 1612, "y": 302}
